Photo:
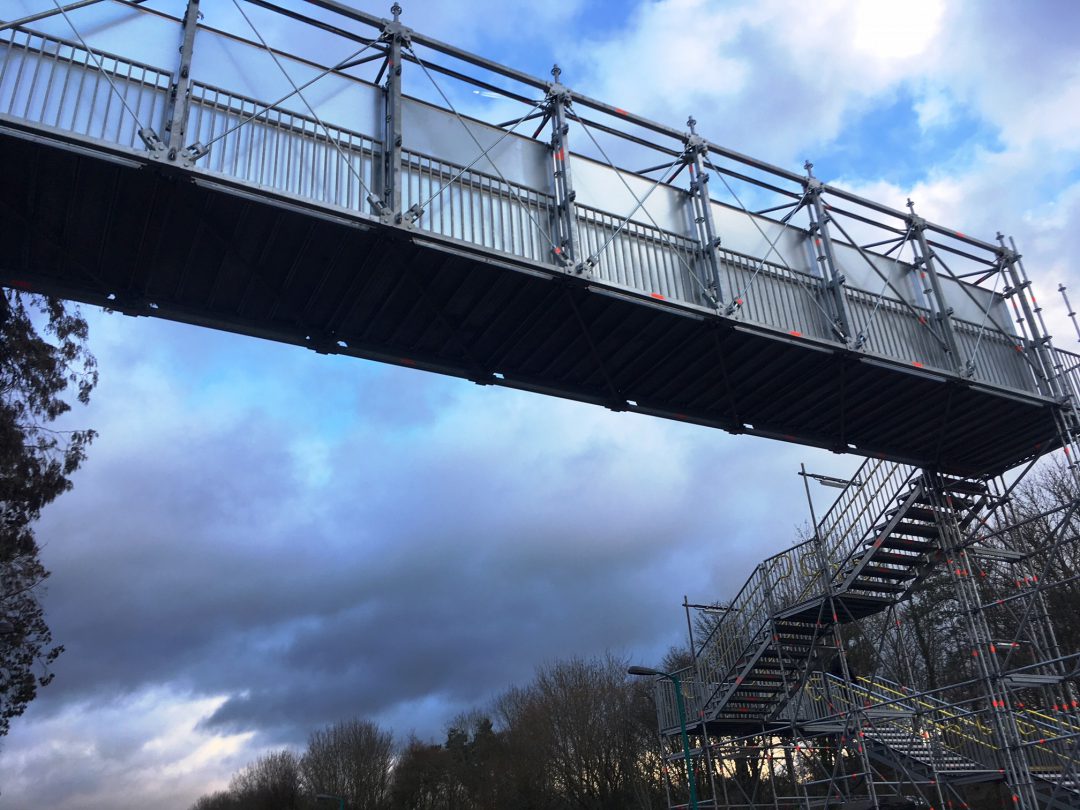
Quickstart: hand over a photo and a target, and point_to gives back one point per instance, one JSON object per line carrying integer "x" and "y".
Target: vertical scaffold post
{"x": 826, "y": 256}
{"x": 395, "y": 35}
{"x": 1038, "y": 348}
{"x": 558, "y": 99}
{"x": 694, "y": 155}
{"x": 925, "y": 263}
{"x": 179, "y": 102}
{"x": 854, "y": 718}
{"x": 987, "y": 668}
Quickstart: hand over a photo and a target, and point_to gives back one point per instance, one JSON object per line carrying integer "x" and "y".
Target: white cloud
{"x": 935, "y": 108}
{"x": 145, "y": 749}
{"x": 891, "y": 31}
{"x": 477, "y": 477}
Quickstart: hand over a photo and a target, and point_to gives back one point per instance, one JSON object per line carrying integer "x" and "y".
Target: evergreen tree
{"x": 44, "y": 362}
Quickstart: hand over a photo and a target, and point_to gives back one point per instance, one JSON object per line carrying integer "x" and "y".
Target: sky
{"x": 265, "y": 540}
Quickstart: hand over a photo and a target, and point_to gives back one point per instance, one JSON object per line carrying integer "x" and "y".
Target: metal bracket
{"x": 561, "y": 255}
{"x": 917, "y": 223}
{"x": 557, "y": 91}
{"x": 395, "y": 29}
{"x": 153, "y": 143}
{"x": 385, "y": 214}
{"x": 695, "y": 146}
{"x": 189, "y": 156}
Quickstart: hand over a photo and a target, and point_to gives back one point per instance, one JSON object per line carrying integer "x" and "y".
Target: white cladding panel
{"x": 441, "y": 134}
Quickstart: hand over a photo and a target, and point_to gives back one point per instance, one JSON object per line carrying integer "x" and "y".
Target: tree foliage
{"x": 44, "y": 363}
{"x": 350, "y": 759}
{"x": 580, "y": 736}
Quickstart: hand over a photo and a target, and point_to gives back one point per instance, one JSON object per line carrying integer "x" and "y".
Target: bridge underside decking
{"x": 142, "y": 239}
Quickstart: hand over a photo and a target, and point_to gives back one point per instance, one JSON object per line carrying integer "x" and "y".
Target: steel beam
{"x": 826, "y": 256}
{"x": 694, "y": 158}
{"x": 1039, "y": 342}
{"x": 637, "y": 120}
{"x": 565, "y": 219}
{"x": 44, "y": 15}
{"x": 395, "y": 35}
{"x": 176, "y": 114}
{"x": 942, "y": 311}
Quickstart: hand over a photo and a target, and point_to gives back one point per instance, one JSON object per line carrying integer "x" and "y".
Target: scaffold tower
{"x": 806, "y": 690}
{"x": 344, "y": 203}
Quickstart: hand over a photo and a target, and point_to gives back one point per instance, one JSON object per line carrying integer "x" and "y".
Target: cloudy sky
{"x": 265, "y": 540}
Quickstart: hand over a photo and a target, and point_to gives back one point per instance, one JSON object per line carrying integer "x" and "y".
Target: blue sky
{"x": 265, "y": 539}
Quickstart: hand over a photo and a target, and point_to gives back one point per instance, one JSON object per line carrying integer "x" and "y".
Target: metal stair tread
{"x": 958, "y": 503}
{"x": 924, "y": 513}
{"x": 881, "y": 572}
{"x": 880, "y": 587}
{"x": 907, "y": 543}
{"x": 881, "y": 555}
{"x": 963, "y": 486}
{"x": 902, "y": 526}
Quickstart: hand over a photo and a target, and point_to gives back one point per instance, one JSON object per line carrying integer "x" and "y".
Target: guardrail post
{"x": 395, "y": 35}
{"x": 694, "y": 153}
{"x": 179, "y": 104}
{"x": 826, "y": 256}
{"x": 558, "y": 99}
{"x": 1038, "y": 342}
{"x": 925, "y": 262}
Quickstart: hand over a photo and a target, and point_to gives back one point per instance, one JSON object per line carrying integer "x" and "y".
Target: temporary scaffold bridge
{"x": 773, "y": 681}
{"x": 340, "y": 212}
{"x": 378, "y": 193}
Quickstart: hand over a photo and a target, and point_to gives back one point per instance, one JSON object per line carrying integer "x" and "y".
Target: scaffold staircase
{"x": 877, "y": 543}
{"x": 926, "y": 739}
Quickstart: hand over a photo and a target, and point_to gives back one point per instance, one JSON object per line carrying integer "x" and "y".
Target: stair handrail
{"x": 958, "y": 730}
{"x": 885, "y": 482}
{"x": 794, "y": 575}
{"x": 1032, "y": 724}
{"x": 739, "y": 628}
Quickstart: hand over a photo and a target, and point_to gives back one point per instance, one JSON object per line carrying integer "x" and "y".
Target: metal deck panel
{"x": 305, "y": 276}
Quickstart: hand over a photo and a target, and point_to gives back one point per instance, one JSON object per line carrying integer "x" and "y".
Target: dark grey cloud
{"x": 440, "y": 550}
{"x": 306, "y": 538}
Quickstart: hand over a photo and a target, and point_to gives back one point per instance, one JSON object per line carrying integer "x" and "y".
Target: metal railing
{"x": 860, "y": 507}
{"x": 476, "y": 207}
{"x": 1067, "y": 366}
{"x": 995, "y": 358}
{"x": 795, "y": 576}
{"x": 930, "y": 723}
{"x": 57, "y": 83}
{"x": 958, "y": 729}
{"x": 639, "y": 256}
{"x": 774, "y": 295}
{"x": 694, "y": 694}
{"x": 277, "y": 149}
{"x": 896, "y": 330}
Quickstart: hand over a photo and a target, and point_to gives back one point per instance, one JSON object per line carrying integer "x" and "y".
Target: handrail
{"x": 785, "y": 580}
{"x": 1031, "y": 723}
{"x": 785, "y": 298}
